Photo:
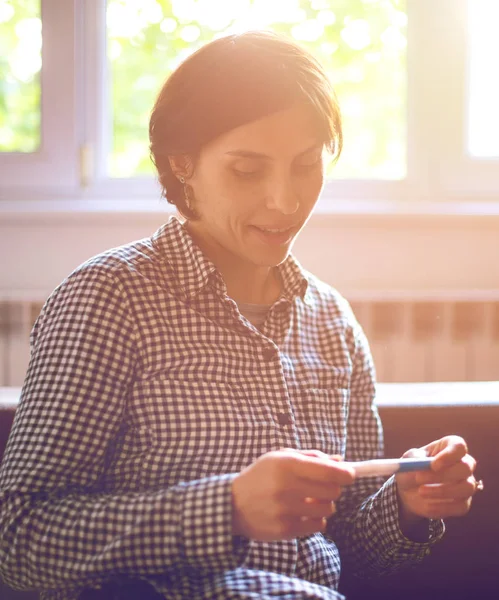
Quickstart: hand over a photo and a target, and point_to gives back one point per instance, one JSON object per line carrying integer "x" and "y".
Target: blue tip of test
{"x": 415, "y": 464}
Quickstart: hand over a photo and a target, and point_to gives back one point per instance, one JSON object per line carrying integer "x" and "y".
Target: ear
{"x": 181, "y": 165}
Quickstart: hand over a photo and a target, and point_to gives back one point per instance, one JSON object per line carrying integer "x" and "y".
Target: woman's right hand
{"x": 286, "y": 494}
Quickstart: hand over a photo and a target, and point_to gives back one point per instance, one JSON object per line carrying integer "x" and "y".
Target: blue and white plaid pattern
{"x": 146, "y": 393}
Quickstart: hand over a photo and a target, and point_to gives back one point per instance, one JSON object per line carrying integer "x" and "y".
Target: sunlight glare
{"x": 326, "y": 17}
{"x": 26, "y": 60}
{"x": 329, "y": 48}
{"x": 319, "y": 4}
{"x": 6, "y": 11}
{"x": 114, "y": 50}
{"x": 122, "y": 20}
{"x": 190, "y": 33}
{"x": 218, "y": 14}
{"x": 393, "y": 39}
{"x": 151, "y": 12}
{"x": 128, "y": 19}
{"x": 356, "y": 34}
{"x": 185, "y": 10}
{"x": 168, "y": 25}
{"x": 483, "y": 125}
{"x": 308, "y": 31}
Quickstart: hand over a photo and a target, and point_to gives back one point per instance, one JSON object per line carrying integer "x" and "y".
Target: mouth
{"x": 274, "y": 235}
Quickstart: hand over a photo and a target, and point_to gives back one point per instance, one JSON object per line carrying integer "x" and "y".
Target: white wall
{"x": 358, "y": 249}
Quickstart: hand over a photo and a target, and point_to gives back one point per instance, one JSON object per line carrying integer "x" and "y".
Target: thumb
{"x": 312, "y": 453}
{"x": 415, "y": 453}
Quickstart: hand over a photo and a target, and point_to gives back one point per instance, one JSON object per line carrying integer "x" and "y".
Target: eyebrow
{"x": 251, "y": 154}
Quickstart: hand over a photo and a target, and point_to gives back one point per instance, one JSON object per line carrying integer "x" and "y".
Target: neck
{"x": 260, "y": 287}
{"x": 246, "y": 282}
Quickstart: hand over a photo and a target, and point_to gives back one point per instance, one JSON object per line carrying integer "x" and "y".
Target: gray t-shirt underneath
{"x": 255, "y": 313}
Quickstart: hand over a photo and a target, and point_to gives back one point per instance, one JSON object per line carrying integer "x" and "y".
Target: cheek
{"x": 242, "y": 197}
{"x": 310, "y": 187}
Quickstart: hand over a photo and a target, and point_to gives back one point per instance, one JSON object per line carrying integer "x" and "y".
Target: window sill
{"x": 133, "y": 210}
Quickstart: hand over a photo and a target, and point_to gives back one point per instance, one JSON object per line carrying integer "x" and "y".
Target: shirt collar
{"x": 193, "y": 270}
{"x": 294, "y": 279}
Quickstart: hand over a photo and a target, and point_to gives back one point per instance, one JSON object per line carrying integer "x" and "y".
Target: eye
{"x": 310, "y": 164}
{"x": 247, "y": 174}
{"x": 248, "y": 169}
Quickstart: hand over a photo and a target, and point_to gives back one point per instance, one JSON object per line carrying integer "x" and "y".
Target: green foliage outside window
{"x": 362, "y": 44}
{"x": 20, "y": 63}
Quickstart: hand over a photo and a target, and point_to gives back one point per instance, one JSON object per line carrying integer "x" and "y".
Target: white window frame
{"x": 52, "y": 167}
{"x": 71, "y": 163}
{"x": 462, "y": 175}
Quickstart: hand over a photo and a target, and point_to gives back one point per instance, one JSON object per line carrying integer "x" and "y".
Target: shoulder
{"x": 120, "y": 262}
{"x": 119, "y": 269}
{"x": 105, "y": 282}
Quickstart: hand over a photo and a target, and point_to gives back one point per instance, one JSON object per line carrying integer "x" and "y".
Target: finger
{"x": 453, "y": 449}
{"x": 440, "y": 509}
{"x": 415, "y": 453}
{"x": 317, "y": 501}
{"x": 316, "y": 470}
{"x": 457, "y": 472}
{"x": 315, "y": 453}
{"x": 449, "y": 491}
{"x": 336, "y": 457}
{"x": 320, "y": 492}
{"x": 293, "y": 527}
{"x": 311, "y": 510}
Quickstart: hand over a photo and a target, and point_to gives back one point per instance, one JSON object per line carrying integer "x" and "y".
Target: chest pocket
{"x": 321, "y": 410}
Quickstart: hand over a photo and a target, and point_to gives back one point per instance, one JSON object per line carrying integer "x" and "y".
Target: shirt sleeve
{"x": 366, "y": 525}
{"x": 57, "y": 528}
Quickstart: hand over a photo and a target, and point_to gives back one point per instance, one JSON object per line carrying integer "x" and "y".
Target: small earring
{"x": 187, "y": 197}
{"x": 182, "y": 179}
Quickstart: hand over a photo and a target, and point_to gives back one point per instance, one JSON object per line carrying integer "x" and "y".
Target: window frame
{"x": 460, "y": 176}
{"x": 52, "y": 166}
{"x": 75, "y": 98}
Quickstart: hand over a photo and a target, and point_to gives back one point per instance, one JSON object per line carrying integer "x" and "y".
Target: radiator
{"x": 432, "y": 337}
{"x": 413, "y": 337}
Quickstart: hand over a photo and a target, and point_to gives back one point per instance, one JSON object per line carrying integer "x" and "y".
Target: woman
{"x": 190, "y": 396}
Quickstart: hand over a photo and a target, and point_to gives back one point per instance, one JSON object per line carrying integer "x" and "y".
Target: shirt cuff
{"x": 206, "y": 525}
{"x": 401, "y": 543}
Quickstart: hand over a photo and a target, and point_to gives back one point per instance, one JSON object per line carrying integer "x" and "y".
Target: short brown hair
{"x": 231, "y": 81}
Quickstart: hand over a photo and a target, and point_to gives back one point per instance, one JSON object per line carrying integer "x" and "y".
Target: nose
{"x": 283, "y": 197}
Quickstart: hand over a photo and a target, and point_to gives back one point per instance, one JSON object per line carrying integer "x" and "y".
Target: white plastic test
{"x": 389, "y": 466}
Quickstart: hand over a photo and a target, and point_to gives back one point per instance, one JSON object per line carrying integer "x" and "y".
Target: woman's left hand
{"x": 445, "y": 491}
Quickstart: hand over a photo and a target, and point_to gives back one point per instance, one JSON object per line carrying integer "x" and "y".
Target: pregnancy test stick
{"x": 389, "y": 466}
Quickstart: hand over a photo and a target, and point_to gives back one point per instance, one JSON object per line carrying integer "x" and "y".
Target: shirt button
{"x": 268, "y": 354}
{"x": 284, "y": 419}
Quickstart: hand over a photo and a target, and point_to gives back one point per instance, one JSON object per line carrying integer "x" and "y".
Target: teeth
{"x": 274, "y": 230}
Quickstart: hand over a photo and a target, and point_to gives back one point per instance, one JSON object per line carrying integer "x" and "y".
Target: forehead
{"x": 283, "y": 133}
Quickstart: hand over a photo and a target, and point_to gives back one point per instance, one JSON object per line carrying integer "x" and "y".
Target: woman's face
{"x": 255, "y": 186}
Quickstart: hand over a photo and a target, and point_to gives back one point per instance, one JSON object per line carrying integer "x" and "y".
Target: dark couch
{"x": 465, "y": 565}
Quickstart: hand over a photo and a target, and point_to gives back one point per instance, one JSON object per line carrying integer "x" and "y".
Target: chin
{"x": 272, "y": 258}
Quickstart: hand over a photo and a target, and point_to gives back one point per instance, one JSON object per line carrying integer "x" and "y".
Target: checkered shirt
{"x": 147, "y": 392}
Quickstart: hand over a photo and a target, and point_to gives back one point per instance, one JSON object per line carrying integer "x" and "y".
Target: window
{"x": 362, "y": 45}
{"x": 20, "y": 45}
{"x": 38, "y": 113}
{"x": 483, "y": 113}
{"x": 413, "y": 78}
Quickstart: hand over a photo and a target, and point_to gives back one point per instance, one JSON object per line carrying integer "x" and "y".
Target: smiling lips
{"x": 273, "y": 235}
